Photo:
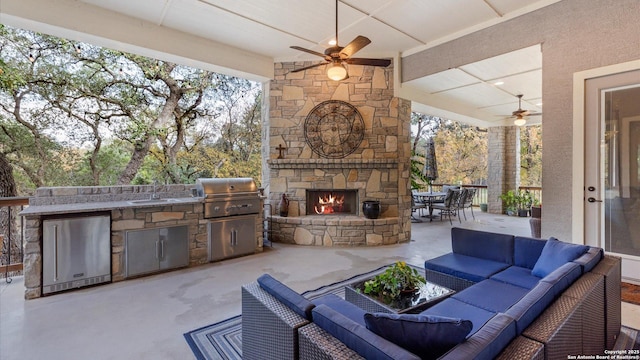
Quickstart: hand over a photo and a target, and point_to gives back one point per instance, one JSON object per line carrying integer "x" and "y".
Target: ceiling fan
{"x": 336, "y": 56}
{"x": 520, "y": 113}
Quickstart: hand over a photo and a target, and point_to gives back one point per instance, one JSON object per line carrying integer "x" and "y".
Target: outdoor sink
{"x": 151, "y": 201}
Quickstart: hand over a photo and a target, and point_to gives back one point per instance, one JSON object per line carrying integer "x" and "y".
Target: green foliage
{"x": 393, "y": 281}
{"x": 517, "y": 200}
{"x": 76, "y": 114}
{"x": 531, "y": 155}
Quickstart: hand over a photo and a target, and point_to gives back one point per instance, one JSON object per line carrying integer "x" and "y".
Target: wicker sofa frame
{"x": 584, "y": 319}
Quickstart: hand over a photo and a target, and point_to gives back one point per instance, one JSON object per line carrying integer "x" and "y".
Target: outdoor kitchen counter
{"x": 39, "y": 210}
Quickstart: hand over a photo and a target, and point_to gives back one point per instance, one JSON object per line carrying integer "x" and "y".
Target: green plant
{"x": 510, "y": 201}
{"x": 514, "y": 201}
{"x": 395, "y": 280}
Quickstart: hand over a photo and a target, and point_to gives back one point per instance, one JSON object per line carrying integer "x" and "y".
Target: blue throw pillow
{"x": 427, "y": 336}
{"x": 555, "y": 254}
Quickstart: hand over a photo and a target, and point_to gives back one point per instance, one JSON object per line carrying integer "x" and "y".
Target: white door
{"x": 612, "y": 167}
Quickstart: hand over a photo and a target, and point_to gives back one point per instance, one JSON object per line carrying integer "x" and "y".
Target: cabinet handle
{"x": 55, "y": 253}
{"x": 161, "y": 249}
{"x": 157, "y": 241}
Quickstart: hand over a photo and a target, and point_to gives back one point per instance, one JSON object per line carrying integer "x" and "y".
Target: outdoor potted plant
{"x": 397, "y": 280}
{"x": 524, "y": 200}
{"x": 510, "y": 202}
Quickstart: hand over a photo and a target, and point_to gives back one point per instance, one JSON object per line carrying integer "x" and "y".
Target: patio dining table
{"x": 430, "y": 197}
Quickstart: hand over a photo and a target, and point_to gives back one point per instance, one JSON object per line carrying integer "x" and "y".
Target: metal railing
{"x": 12, "y": 255}
{"x": 482, "y": 197}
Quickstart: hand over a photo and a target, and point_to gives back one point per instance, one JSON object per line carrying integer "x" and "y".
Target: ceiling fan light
{"x": 519, "y": 121}
{"x": 336, "y": 71}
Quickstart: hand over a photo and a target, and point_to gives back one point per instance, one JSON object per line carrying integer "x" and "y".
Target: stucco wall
{"x": 576, "y": 35}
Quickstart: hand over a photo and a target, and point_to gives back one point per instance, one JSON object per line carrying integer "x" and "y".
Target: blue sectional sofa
{"x": 514, "y": 296}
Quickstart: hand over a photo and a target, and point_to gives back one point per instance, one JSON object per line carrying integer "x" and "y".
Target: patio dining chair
{"x": 466, "y": 202}
{"x": 450, "y": 205}
{"x": 417, "y": 205}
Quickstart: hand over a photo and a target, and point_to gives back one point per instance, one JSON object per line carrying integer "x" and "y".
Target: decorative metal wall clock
{"x": 334, "y": 129}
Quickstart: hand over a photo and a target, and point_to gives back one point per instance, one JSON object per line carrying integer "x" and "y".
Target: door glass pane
{"x": 620, "y": 170}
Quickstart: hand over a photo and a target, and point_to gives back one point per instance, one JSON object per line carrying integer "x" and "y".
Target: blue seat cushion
{"x": 466, "y": 267}
{"x": 356, "y": 337}
{"x": 555, "y": 254}
{"x": 482, "y": 244}
{"x": 491, "y": 295}
{"x": 516, "y": 275}
{"x": 342, "y": 306}
{"x": 531, "y": 305}
{"x": 296, "y": 302}
{"x": 427, "y": 336}
{"x": 453, "y": 307}
{"x": 590, "y": 259}
{"x": 526, "y": 251}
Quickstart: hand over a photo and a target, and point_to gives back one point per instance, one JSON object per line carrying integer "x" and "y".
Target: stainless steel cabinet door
{"x": 174, "y": 247}
{"x": 75, "y": 249}
{"x": 143, "y": 251}
{"x": 232, "y": 236}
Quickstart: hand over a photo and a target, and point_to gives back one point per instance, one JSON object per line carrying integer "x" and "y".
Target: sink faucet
{"x": 155, "y": 185}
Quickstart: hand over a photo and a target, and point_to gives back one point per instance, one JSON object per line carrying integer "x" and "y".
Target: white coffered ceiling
{"x": 266, "y": 29}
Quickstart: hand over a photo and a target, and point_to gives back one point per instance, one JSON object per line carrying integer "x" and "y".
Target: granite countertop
{"x": 107, "y": 205}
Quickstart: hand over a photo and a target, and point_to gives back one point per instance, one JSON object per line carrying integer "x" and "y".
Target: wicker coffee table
{"x": 428, "y": 295}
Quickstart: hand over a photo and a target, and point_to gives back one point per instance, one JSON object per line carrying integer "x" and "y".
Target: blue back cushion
{"x": 531, "y": 305}
{"x": 526, "y": 251}
{"x": 482, "y": 244}
{"x": 488, "y": 342}
{"x": 555, "y": 254}
{"x": 563, "y": 277}
{"x": 356, "y": 337}
{"x": 590, "y": 259}
{"x": 286, "y": 295}
{"x": 424, "y": 335}
{"x": 342, "y": 306}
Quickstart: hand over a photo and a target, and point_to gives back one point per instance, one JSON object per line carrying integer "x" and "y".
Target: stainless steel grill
{"x": 228, "y": 196}
{"x": 233, "y": 207}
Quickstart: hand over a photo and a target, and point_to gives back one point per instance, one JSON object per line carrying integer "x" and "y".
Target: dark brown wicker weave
{"x": 269, "y": 328}
{"x": 559, "y": 328}
{"x": 589, "y": 290}
{"x": 364, "y": 302}
{"x": 610, "y": 267}
{"x": 522, "y": 348}
{"x": 317, "y": 344}
{"x": 448, "y": 281}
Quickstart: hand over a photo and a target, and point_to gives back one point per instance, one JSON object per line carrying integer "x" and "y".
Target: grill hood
{"x": 225, "y": 187}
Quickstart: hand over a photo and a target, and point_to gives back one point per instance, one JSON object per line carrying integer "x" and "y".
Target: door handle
{"x": 55, "y": 253}
{"x": 592, "y": 200}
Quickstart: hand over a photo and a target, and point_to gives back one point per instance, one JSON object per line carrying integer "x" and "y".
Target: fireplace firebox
{"x": 332, "y": 202}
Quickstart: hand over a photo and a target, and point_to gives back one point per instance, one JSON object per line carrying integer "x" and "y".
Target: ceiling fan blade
{"x": 370, "y": 62}
{"x": 309, "y": 67}
{"x": 328, "y": 58}
{"x": 354, "y": 46}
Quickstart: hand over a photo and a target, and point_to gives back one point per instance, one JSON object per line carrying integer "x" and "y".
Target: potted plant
{"x": 510, "y": 202}
{"x": 395, "y": 281}
{"x": 524, "y": 200}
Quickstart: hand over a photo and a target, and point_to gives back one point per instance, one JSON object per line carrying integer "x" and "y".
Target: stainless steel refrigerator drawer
{"x": 76, "y": 252}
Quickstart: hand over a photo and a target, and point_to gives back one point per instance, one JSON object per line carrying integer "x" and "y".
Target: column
{"x": 503, "y": 167}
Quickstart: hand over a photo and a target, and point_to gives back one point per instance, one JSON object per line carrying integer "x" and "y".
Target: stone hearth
{"x": 377, "y": 170}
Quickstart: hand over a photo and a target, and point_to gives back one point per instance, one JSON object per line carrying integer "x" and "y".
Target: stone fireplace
{"x": 378, "y": 169}
{"x": 332, "y": 202}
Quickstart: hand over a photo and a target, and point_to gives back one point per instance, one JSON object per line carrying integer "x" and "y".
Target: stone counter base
{"x": 329, "y": 230}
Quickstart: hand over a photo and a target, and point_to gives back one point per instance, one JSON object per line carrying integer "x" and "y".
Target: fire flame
{"x": 328, "y": 204}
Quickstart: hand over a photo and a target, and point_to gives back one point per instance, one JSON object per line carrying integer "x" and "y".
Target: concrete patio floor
{"x": 145, "y": 318}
